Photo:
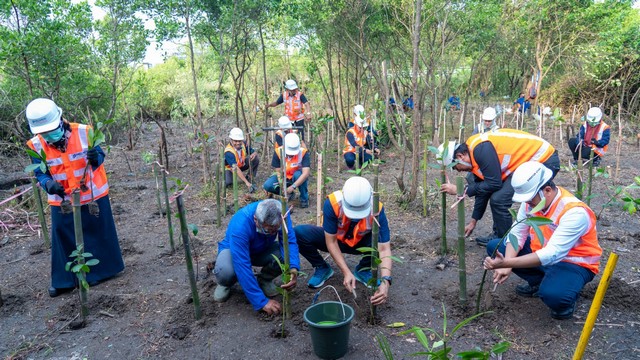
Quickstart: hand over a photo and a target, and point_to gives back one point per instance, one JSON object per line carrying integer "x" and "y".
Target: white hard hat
{"x": 291, "y": 144}
{"x": 448, "y": 157}
{"x": 528, "y": 179}
{"x": 489, "y": 114}
{"x": 594, "y": 115}
{"x": 290, "y": 84}
{"x": 236, "y": 134}
{"x": 284, "y": 123}
{"x": 358, "y": 110}
{"x": 43, "y": 115}
{"x": 357, "y": 194}
{"x": 359, "y": 121}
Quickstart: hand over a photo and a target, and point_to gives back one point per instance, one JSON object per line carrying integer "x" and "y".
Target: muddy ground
{"x": 146, "y": 312}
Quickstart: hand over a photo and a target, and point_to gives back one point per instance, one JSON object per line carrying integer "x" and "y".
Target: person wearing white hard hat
{"x": 492, "y": 158}
{"x": 594, "y": 134}
{"x": 73, "y": 166}
{"x": 285, "y": 128}
{"x": 346, "y": 226}
{"x": 298, "y": 169}
{"x": 296, "y": 105}
{"x": 358, "y": 139}
{"x": 488, "y": 123}
{"x": 238, "y": 153}
{"x": 557, "y": 266}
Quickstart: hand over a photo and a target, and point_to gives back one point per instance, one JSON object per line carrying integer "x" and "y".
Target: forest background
{"x": 233, "y": 56}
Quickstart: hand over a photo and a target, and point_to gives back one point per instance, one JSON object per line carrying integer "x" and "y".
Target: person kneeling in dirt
{"x": 73, "y": 166}
{"x": 558, "y": 266}
{"x": 297, "y": 164}
{"x": 250, "y": 240}
{"x": 594, "y": 134}
{"x": 358, "y": 139}
{"x": 491, "y": 158}
{"x": 236, "y": 154}
{"x": 346, "y": 227}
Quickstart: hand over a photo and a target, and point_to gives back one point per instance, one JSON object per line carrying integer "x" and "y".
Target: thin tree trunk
{"x": 417, "y": 108}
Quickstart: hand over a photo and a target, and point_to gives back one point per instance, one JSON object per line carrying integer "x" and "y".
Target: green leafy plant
{"x": 630, "y": 203}
{"x": 375, "y": 266}
{"x": 80, "y": 266}
{"x": 440, "y": 349}
{"x": 42, "y": 166}
{"x": 440, "y": 156}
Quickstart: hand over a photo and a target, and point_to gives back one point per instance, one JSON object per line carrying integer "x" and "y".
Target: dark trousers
{"x": 350, "y": 158}
{"x": 226, "y": 274}
{"x": 300, "y": 131}
{"x": 228, "y": 175}
{"x": 560, "y": 283}
{"x": 500, "y": 203}
{"x": 310, "y": 239}
{"x": 586, "y": 150}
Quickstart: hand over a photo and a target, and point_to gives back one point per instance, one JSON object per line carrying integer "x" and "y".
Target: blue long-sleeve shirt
{"x": 243, "y": 241}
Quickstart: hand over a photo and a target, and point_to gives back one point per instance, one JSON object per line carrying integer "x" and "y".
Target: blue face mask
{"x": 54, "y": 136}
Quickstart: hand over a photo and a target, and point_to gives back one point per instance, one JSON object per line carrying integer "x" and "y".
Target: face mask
{"x": 54, "y": 136}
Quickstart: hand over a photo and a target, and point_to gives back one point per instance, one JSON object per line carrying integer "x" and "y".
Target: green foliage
{"x": 43, "y": 161}
{"x": 80, "y": 266}
{"x": 375, "y": 261}
{"x": 439, "y": 349}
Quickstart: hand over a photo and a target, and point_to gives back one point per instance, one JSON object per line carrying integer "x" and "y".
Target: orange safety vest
{"x": 359, "y": 136}
{"x": 68, "y": 167}
{"x": 293, "y": 163}
{"x": 280, "y": 134}
{"x": 599, "y": 150}
{"x": 240, "y": 158}
{"x": 514, "y": 147}
{"x": 586, "y": 252}
{"x": 293, "y": 106}
{"x": 359, "y": 231}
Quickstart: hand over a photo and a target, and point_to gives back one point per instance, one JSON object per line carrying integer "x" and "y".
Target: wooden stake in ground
{"x": 224, "y": 183}
{"x": 319, "y": 192}
{"x": 168, "y": 208}
{"x": 77, "y": 226}
{"x": 375, "y": 230}
{"x": 219, "y": 176}
{"x": 155, "y": 176}
{"x": 443, "y": 204}
{"x": 589, "y": 179}
{"x": 286, "y": 306}
{"x": 424, "y": 178}
{"x": 40, "y": 206}
{"x": 619, "y": 145}
{"x": 462, "y": 268}
{"x": 184, "y": 229}
{"x": 234, "y": 170}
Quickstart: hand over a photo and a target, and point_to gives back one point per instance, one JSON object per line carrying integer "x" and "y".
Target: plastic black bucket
{"x": 329, "y": 324}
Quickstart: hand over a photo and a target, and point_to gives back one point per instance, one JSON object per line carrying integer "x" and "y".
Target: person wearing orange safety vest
{"x": 297, "y": 163}
{"x": 296, "y": 105}
{"x": 285, "y": 128}
{"x": 358, "y": 139}
{"x": 71, "y": 165}
{"x": 346, "y": 227}
{"x": 238, "y": 153}
{"x": 491, "y": 158}
{"x": 557, "y": 266}
{"x": 594, "y": 134}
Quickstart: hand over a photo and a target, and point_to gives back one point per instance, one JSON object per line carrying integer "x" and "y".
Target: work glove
{"x": 54, "y": 188}
{"x": 595, "y": 142}
{"x": 92, "y": 156}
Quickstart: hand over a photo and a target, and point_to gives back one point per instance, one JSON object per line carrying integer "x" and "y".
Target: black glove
{"x": 54, "y": 188}
{"x": 92, "y": 156}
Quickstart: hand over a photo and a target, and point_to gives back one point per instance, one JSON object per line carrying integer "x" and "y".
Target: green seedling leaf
{"x": 472, "y": 354}
{"x": 99, "y": 139}
{"x": 87, "y": 254}
{"x": 536, "y": 229}
{"x": 394, "y": 258}
{"x": 435, "y": 166}
{"x": 76, "y": 268}
{"x": 74, "y": 253}
{"x": 468, "y": 320}
{"x": 91, "y": 135}
{"x": 396, "y": 325}
{"x": 538, "y": 221}
{"x": 85, "y": 268}
{"x": 193, "y": 228}
{"x": 85, "y": 284}
{"x": 33, "y": 154}
{"x": 500, "y": 348}
{"x": 31, "y": 168}
{"x": 93, "y": 262}
{"x": 43, "y": 167}
{"x": 68, "y": 266}
{"x": 366, "y": 249}
{"x": 637, "y": 180}
{"x": 513, "y": 240}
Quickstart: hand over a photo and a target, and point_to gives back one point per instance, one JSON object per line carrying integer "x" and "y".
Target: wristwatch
{"x": 388, "y": 279}
{"x": 294, "y": 186}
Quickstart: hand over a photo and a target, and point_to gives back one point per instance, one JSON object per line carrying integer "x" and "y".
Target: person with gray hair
{"x": 250, "y": 240}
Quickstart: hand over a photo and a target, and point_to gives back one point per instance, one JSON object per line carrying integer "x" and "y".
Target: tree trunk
{"x": 418, "y": 102}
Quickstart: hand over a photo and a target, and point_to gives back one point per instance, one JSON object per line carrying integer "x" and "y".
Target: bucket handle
{"x": 315, "y": 298}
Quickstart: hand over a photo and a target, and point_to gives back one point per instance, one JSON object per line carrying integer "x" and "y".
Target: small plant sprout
{"x": 440, "y": 348}
{"x": 80, "y": 266}
{"x": 630, "y": 203}
{"x": 440, "y": 156}
{"x": 533, "y": 221}
{"x": 30, "y": 169}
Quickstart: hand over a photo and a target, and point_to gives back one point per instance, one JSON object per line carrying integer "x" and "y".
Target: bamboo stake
{"x": 77, "y": 226}
{"x": 618, "y": 145}
{"x": 339, "y": 153}
{"x": 223, "y": 179}
{"x": 590, "y": 179}
{"x": 424, "y": 178}
{"x": 219, "y": 176}
{"x": 443, "y": 204}
{"x": 319, "y": 192}
{"x": 40, "y": 206}
{"x": 357, "y": 159}
{"x": 286, "y": 306}
{"x": 155, "y": 176}
{"x": 168, "y": 208}
{"x": 234, "y": 170}
{"x": 462, "y": 268}
{"x": 188, "y": 258}
{"x": 375, "y": 230}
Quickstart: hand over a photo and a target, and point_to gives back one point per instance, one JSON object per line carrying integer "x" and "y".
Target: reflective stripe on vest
{"x": 293, "y": 107}
{"x": 599, "y": 150}
{"x": 586, "y": 252}
{"x": 359, "y": 231}
{"x": 514, "y": 147}
{"x": 293, "y": 163}
{"x": 239, "y": 159}
{"x": 359, "y": 137}
{"x": 68, "y": 167}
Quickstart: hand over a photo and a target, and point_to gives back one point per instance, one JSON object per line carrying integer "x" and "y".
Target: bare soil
{"x": 147, "y": 312}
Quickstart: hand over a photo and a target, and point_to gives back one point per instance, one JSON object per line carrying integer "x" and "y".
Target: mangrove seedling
{"x": 42, "y": 166}
{"x": 184, "y": 229}
{"x": 462, "y": 267}
{"x": 630, "y": 203}
{"x": 95, "y": 138}
{"x": 533, "y": 221}
{"x": 80, "y": 266}
{"x": 440, "y": 156}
